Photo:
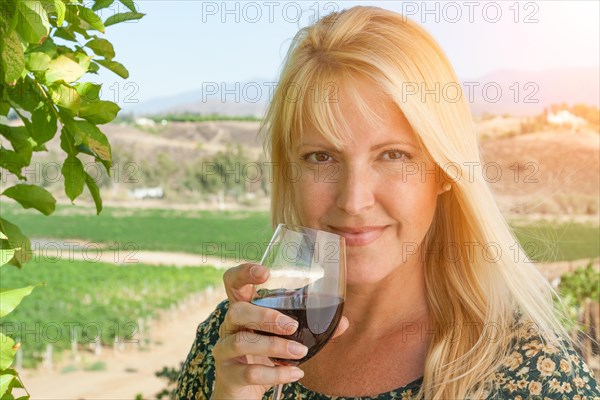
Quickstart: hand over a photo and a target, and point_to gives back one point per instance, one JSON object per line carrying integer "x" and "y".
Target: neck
{"x": 396, "y": 302}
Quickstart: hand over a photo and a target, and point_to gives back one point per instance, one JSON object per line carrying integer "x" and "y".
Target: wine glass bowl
{"x": 307, "y": 282}
{"x": 317, "y": 315}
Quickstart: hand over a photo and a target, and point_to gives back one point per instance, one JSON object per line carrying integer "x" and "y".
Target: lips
{"x": 359, "y": 236}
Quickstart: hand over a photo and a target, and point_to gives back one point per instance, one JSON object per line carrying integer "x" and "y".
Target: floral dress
{"x": 534, "y": 371}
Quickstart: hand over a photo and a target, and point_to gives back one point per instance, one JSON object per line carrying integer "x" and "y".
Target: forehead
{"x": 360, "y": 113}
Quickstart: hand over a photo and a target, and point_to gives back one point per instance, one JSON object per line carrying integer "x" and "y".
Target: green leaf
{"x": 7, "y": 348}
{"x": 12, "y": 162}
{"x": 44, "y": 124}
{"x": 18, "y": 137}
{"x": 61, "y": 10}
{"x": 66, "y": 97}
{"x": 129, "y": 4}
{"x": 82, "y": 59}
{"x": 122, "y": 17}
{"x": 88, "y": 134}
{"x": 10, "y": 299}
{"x": 16, "y": 240}
{"x": 25, "y": 94}
{"x": 37, "y": 61}
{"x": 91, "y": 18}
{"x": 33, "y": 25}
{"x": 66, "y": 34}
{"x": 48, "y": 47}
{"x": 94, "y": 68}
{"x": 82, "y": 28}
{"x": 100, "y": 112}
{"x": 115, "y": 67}
{"x": 5, "y": 381}
{"x": 95, "y": 192}
{"x": 4, "y": 108}
{"x": 100, "y": 4}
{"x": 107, "y": 165}
{"x": 74, "y": 174}
{"x": 11, "y": 13}
{"x": 64, "y": 69}
{"x": 13, "y": 58}
{"x": 66, "y": 142}
{"x": 102, "y": 47}
{"x": 14, "y": 384}
{"x": 89, "y": 92}
{"x": 32, "y": 196}
{"x": 6, "y": 255}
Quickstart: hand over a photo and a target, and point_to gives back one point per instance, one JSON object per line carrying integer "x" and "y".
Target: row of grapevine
{"x": 88, "y": 303}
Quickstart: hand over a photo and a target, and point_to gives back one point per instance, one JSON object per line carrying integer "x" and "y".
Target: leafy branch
{"x": 46, "y": 47}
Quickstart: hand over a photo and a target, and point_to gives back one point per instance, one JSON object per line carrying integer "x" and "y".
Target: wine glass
{"x": 307, "y": 282}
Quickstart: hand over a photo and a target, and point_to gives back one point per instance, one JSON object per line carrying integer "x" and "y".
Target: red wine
{"x": 317, "y": 314}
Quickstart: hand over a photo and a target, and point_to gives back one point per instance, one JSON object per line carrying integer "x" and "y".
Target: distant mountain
{"x": 528, "y": 92}
{"x": 229, "y": 98}
{"x": 514, "y": 92}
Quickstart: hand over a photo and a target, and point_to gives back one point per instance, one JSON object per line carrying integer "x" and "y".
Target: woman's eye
{"x": 395, "y": 155}
{"x": 317, "y": 157}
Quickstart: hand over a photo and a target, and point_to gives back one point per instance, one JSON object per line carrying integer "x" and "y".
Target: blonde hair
{"x": 476, "y": 290}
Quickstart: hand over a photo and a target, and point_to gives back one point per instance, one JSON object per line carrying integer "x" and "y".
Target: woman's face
{"x": 378, "y": 190}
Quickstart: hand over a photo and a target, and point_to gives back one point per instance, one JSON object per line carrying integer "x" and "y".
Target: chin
{"x": 364, "y": 273}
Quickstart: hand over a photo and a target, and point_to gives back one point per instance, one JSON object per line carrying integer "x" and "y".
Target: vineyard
{"x": 243, "y": 235}
{"x": 86, "y": 303}
{"x": 91, "y": 303}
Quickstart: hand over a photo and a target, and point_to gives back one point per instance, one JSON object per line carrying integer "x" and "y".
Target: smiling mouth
{"x": 359, "y": 236}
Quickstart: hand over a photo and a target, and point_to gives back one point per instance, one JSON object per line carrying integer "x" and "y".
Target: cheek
{"x": 312, "y": 199}
{"x": 412, "y": 202}
{"x": 425, "y": 204}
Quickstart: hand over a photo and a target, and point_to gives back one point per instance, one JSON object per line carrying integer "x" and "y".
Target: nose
{"x": 355, "y": 190}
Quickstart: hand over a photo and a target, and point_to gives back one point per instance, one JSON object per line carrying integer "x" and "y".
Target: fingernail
{"x": 296, "y": 373}
{"x": 288, "y": 324}
{"x": 258, "y": 271}
{"x": 297, "y": 349}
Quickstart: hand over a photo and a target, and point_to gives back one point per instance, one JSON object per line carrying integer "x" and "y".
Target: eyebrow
{"x": 376, "y": 147}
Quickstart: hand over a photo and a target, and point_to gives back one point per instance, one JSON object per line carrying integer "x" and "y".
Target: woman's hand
{"x": 243, "y": 369}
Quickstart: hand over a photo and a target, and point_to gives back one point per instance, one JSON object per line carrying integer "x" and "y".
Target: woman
{"x": 440, "y": 304}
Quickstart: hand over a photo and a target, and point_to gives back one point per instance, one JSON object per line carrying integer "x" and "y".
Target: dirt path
{"x": 60, "y": 251}
{"x": 161, "y": 258}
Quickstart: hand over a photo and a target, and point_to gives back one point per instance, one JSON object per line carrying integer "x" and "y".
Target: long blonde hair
{"x": 474, "y": 296}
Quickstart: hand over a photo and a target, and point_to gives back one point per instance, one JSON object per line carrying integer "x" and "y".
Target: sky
{"x": 182, "y": 44}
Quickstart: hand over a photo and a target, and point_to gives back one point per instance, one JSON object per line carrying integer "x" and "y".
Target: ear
{"x": 444, "y": 187}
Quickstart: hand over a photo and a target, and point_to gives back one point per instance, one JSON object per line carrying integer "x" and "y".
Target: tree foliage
{"x": 46, "y": 47}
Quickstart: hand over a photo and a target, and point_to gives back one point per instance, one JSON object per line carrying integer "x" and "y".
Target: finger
{"x": 252, "y": 343}
{"x": 239, "y": 280}
{"x": 255, "y": 374}
{"x": 247, "y": 316}
{"x": 341, "y": 328}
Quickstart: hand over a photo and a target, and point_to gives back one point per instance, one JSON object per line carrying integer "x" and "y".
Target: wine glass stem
{"x": 277, "y": 392}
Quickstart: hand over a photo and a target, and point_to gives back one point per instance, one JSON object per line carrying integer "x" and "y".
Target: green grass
{"x": 92, "y": 299}
{"x": 97, "y": 366}
{"x": 549, "y": 242}
{"x": 200, "y": 232}
{"x": 68, "y": 369}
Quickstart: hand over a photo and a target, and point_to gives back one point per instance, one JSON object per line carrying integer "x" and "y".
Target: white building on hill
{"x": 564, "y": 117}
